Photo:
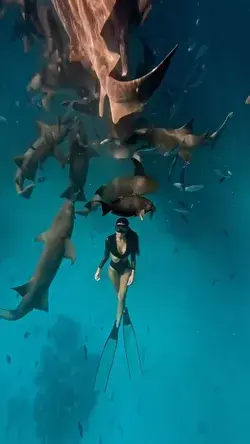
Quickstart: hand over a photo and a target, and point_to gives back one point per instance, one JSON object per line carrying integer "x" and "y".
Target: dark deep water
{"x": 190, "y": 301}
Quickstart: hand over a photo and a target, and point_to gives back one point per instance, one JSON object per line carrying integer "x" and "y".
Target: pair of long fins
{"x": 109, "y": 350}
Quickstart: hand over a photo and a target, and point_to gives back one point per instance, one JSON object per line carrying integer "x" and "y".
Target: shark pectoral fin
{"x": 22, "y": 290}
{"x": 19, "y": 160}
{"x": 43, "y": 237}
{"x": 43, "y": 302}
{"x": 70, "y": 251}
{"x": 43, "y": 128}
{"x": 138, "y": 167}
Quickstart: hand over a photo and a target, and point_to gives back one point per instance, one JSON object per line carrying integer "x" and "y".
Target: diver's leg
{"x": 122, "y": 296}
{"x": 115, "y": 279}
{"x": 109, "y": 349}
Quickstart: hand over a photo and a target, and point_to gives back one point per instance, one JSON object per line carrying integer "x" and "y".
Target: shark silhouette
{"x": 58, "y": 245}
{"x": 139, "y": 183}
{"x": 46, "y": 145}
{"x": 97, "y": 34}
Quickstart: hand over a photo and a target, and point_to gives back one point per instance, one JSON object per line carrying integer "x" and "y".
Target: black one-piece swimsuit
{"x": 132, "y": 249}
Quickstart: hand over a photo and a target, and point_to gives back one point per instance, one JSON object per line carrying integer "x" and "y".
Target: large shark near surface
{"x": 58, "y": 245}
{"x": 98, "y": 33}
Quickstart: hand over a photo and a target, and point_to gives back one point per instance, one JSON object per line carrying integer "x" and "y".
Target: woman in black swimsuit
{"x": 120, "y": 245}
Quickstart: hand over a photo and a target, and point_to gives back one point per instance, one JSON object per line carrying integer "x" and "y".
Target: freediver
{"x": 121, "y": 245}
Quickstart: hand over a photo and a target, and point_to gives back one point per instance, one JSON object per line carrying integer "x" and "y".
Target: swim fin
{"x": 106, "y": 360}
{"x": 130, "y": 343}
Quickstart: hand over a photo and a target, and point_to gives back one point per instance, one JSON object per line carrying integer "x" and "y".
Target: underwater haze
{"x": 189, "y": 303}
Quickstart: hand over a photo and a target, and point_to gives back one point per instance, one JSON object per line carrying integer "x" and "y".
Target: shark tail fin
{"x": 22, "y": 290}
{"x": 74, "y": 192}
{"x": 26, "y": 193}
{"x": 136, "y": 92}
{"x": 81, "y": 195}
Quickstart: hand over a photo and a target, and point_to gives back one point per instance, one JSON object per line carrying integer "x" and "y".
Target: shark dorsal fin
{"x": 188, "y": 126}
{"x": 43, "y": 237}
{"x": 19, "y": 160}
{"x": 22, "y": 290}
{"x": 70, "y": 251}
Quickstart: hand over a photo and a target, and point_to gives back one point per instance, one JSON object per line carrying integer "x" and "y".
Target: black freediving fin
{"x": 139, "y": 168}
{"x": 130, "y": 343}
{"x": 106, "y": 360}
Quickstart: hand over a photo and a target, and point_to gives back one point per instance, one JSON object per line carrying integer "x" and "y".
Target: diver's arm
{"x": 103, "y": 261}
{"x": 135, "y": 251}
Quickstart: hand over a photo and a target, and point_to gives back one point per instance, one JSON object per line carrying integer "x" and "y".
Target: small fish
{"x": 80, "y": 429}
{"x": 3, "y": 120}
{"x": 181, "y": 210}
{"x": 192, "y": 188}
{"x": 191, "y": 45}
{"x": 201, "y": 51}
{"x": 26, "y": 335}
{"x": 41, "y": 179}
{"x": 175, "y": 250}
{"x": 179, "y": 186}
{"x": 195, "y": 77}
{"x": 8, "y": 359}
{"x": 184, "y": 218}
{"x": 85, "y": 352}
{"x": 226, "y": 233}
{"x": 215, "y": 281}
{"x": 223, "y": 174}
{"x": 111, "y": 139}
{"x": 184, "y": 206}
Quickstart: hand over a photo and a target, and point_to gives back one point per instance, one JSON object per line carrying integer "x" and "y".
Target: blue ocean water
{"x": 190, "y": 300}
